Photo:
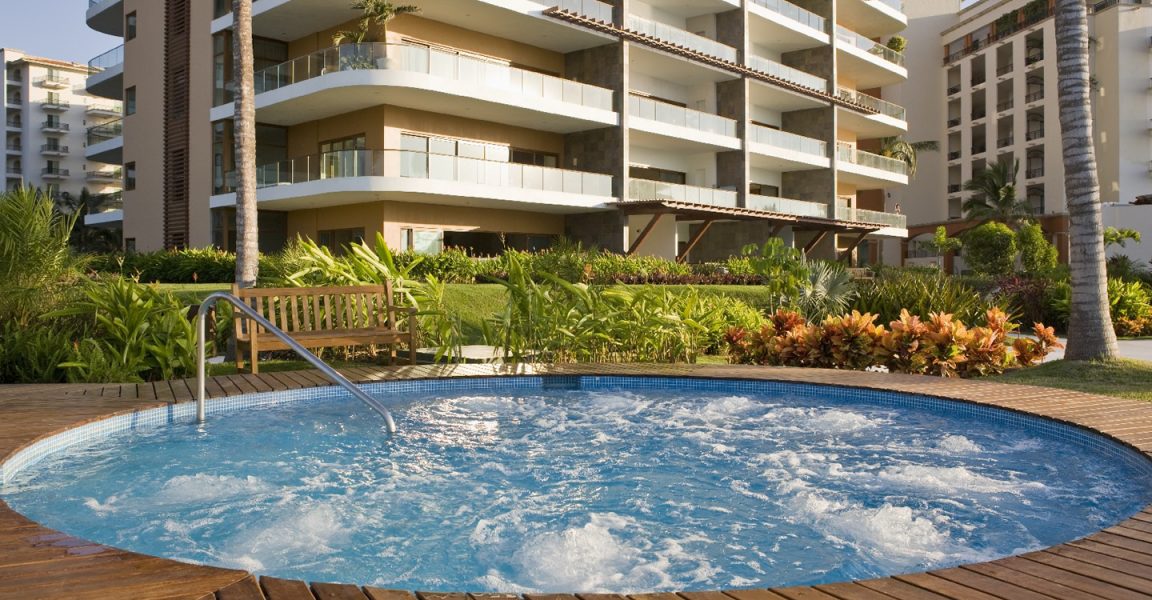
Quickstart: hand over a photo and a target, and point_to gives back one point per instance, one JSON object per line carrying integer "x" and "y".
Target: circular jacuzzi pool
{"x": 581, "y": 484}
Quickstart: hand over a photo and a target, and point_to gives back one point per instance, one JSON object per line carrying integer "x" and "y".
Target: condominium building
{"x": 683, "y": 130}
{"x": 46, "y": 115}
{"x": 987, "y": 91}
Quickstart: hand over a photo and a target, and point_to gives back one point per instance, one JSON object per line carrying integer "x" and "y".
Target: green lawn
{"x": 1123, "y": 378}
{"x": 474, "y": 302}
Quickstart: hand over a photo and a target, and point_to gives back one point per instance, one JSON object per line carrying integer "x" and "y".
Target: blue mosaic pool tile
{"x": 185, "y": 413}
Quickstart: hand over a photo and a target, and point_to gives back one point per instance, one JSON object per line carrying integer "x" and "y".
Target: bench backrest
{"x": 319, "y": 308}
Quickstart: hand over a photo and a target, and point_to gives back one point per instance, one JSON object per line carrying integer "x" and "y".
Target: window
{"x": 535, "y": 157}
{"x": 130, "y": 101}
{"x": 130, "y": 26}
{"x": 344, "y": 158}
{"x": 423, "y": 241}
{"x": 337, "y": 240}
{"x": 760, "y": 189}
{"x": 655, "y": 174}
{"x": 130, "y": 245}
{"x": 130, "y": 176}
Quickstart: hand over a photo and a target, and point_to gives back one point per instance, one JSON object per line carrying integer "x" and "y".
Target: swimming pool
{"x": 583, "y": 484}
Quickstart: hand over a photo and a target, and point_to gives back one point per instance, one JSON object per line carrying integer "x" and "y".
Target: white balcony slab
{"x": 776, "y": 158}
{"x": 867, "y": 126}
{"x": 865, "y": 177}
{"x": 347, "y": 91}
{"x": 108, "y": 83}
{"x": 356, "y": 190}
{"x": 106, "y": 16}
{"x": 104, "y": 218}
{"x": 108, "y": 151}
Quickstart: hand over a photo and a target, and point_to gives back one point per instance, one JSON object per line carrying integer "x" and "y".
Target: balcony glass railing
{"x": 896, "y": 4}
{"x": 54, "y": 148}
{"x": 849, "y": 153}
{"x": 54, "y": 172}
{"x": 787, "y": 73}
{"x": 113, "y": 174}
{"x": 679, "y": 37}
{"x": 109, "y": 59}
{"x": 791, "y": 11}
{"x": 787, "y": 141}
{"x": 105, "y": 131}
{"x": 883, "y": 107}
{"x": 589, "y": 8}
{"x": 645, "y": 190}
{"x": 102, "y": 203}
{"x": 788, "y": 206}
{"x": 473, "y": 71}
{"x": 423, "y": 165}
{"x": 52, "y": 80}
{"x": 860, "y": 42}
{"x": 55, "y": 126}
{"x": 647, "y": 108}
{"x": 106, "y": 109}
{"x": 859, "y": 215}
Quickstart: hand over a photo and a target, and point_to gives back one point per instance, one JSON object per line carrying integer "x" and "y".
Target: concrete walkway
{"x": 1135, "y": 349}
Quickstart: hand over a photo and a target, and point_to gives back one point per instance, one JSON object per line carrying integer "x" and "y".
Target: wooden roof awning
{"x": 689, "y": 211}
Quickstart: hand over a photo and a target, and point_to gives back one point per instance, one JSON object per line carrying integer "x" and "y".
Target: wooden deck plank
{"x": 1031, "y": 582}
{"x": 245, "y": 589}
{"x": 337, "y": 591}
{"x": 802, "y": 593}
{"x": 944, "y": 587}
{"x": 441, "y": 596}
{"x": 285, "y": 589}
{"x": 990, "y": 585}
{"x": 761, "y": 594}
{"x": 375, "y": 593}
{"x": 1097, "y": 566}
{"x": 851, "y": 591}
{"x": 1071, "y": 579}
{"x": 1119, "y": 541}
{"x": 901, "y": 590}
{"x": 1113, "y": 551}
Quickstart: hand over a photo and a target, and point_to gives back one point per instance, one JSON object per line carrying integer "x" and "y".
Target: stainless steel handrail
{"x": 249, "y": 312}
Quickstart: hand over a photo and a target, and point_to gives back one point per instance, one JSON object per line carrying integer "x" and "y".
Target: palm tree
{"x": 994, "y": 196}
{"x": 1090, "y": 333}
{"x": 905, "y": 151}
{"x": 374, "y": 12}
{"x": 244, "y": 143}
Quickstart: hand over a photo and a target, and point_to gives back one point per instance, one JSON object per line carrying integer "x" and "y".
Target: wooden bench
{"x": 322, "y": 317}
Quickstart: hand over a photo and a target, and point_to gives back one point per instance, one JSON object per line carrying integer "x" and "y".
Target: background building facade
{"x": 46, "y": 117}
{"x": 988, "y": 93}
{"x": 664, "y": 128}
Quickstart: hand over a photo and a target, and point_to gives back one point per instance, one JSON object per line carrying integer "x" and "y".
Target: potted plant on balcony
{"x": 362, "y": 55}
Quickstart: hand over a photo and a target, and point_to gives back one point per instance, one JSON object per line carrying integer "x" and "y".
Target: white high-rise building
{"x": 49, "y": 120}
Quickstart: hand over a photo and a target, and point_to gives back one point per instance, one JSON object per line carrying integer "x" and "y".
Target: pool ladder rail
{"x": 304, "y": 353}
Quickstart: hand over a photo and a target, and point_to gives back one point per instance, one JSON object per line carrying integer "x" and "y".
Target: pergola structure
{"x": 709, "y": 214}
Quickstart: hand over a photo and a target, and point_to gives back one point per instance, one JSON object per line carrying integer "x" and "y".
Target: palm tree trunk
{"x": 244, "y": 142}
{"x": 1090, "y": 333}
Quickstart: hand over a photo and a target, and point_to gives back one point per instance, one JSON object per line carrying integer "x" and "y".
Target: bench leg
{"x": 412, "y": 349}
{"x": 239, "y": 357}
{"x": 253, "y": 356}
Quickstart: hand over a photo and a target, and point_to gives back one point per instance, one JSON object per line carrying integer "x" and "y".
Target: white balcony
{"x": 106, "y": 143}
{"x": 105, "y": 176}
{"x": 352, "y": 77}
{"x": 520, "y": 20}
{"x": 894, "y": 224}
{"x": 672, "y": 126}
{"x": 866, "y": 63}
{"x": 105, "y": 110}
{"x": 678, "y": 37}
{"x": 788, "y": 206}
{"x": 867, "y": 170}
{"x": 783, "y": 151}
{"x": 53, "y": 82}
{"x": 644, "y": 190}
{"x": 888, "y": 120}
{"x": 107, "y": 217}
{"x": 106, "y": 16}
{"x": 785, "y": 27}
{"x": 354, "y": 176}
{"x": 788, "y": 74}
{"x": 108, "y": 79}
{"x": 873, "y": 18}
{"x": 54, "y": 150}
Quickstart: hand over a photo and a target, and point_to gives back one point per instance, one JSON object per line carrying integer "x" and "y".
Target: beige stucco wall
{"x": 143, "y": 131}
{"x": 383, "y": 125}
{"x": 417, "y": 28}
{"x": 390, "y": 218}
{"x": 200, "y": 131}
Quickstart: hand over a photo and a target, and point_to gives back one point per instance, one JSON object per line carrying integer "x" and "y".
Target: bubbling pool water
{"x": 587, "y": 490}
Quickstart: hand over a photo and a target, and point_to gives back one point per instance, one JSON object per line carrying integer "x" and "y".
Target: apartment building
{"x": 683, "y": 130}
{"x": 46, "y": 116}
{"x": 988, "y": 93}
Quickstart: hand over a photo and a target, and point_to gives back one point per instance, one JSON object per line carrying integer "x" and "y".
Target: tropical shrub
{"x": 136, "y": 333}
{"x": 1026, "y": 297}
{"x": 33, "y": 353}
{"x": 942, "y": 345}
{"x": 37, "y": 267}
{"x": 990, "y": 249}
{"x": 921, "y": 292}
{"x": 1037, "y": 254}
{"x": 1126, "y": 300}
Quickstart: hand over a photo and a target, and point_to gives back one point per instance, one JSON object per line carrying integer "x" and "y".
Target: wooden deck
{"x": 36, "y": 562}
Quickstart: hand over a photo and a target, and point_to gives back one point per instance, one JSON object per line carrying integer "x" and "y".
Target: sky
{"x": 26, "y": 26}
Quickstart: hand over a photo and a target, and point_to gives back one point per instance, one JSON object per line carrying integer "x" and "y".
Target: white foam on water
{"x": 101, "y": 508}
{"x": 958, "y": 444}
{"x": 202, "y": 487}
{"x": 953, "y": 480}
{"x": 823, "y": 420}
{"x": 292, "y": 536}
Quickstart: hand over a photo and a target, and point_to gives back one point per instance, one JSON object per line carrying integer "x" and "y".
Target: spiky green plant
{"x": 36, "y": 265}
